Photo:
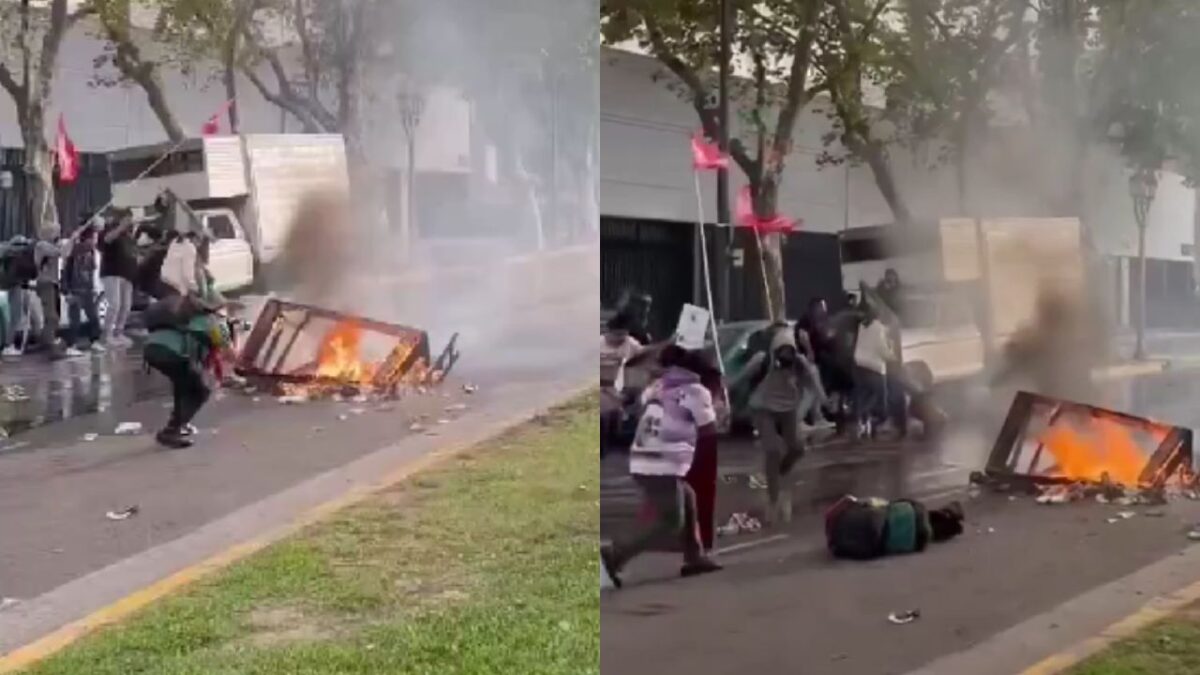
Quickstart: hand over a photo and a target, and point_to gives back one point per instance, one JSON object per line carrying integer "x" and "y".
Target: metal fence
{"x": 91, "y": 190}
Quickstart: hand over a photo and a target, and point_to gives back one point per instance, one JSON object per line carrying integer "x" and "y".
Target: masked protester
{"x": 79, "y": 287}
{"x": 47, "y": 254}
{"x": 182, "y": 354}
{"x": 679, "y": 410}
{"x": 781, "y": 385}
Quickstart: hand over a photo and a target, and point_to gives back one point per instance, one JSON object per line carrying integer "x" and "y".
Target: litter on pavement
{"x": 739, "y": 523}
{"x": 907, "y": 616}
{"x": 8, "y": 603}
{"x": 128, "y": 428}
{"x": 123, "y": 514}
{"x": 90, "y": 437}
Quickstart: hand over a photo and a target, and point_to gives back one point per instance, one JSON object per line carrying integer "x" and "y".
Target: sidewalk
{"x": 788, "y": 603}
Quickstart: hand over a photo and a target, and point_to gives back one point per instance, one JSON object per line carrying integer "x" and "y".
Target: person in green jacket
{"x": 182, "y": 354}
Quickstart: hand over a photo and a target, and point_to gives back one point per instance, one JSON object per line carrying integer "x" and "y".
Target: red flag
{"x": 213, "y": 126}
{"x": 707, "y": 156}
{"x": 747, "y": 218}
{"x": 66, "y": 154}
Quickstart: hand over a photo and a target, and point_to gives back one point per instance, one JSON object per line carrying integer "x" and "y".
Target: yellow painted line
{"x": 1152, "y": 612}
{"x": 48, "y": 645}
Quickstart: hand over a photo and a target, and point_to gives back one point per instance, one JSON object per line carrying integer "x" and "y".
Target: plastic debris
{"x": 343, "y": 417}
{"x": 123, "y": 514}
{"x": 470, "y": 389}
{"x": 292, "y": 399}
{"x": 90, "y": 437}
{"x": 457, "y": 407}
{"x": 1194, "y": 534}
{"x": 128, "y": 428}
{"x": 756, "y": 483}
{"x": 1123, "y": 515}
{"x": 416, "y": 426}
{"x": 8, "y": 603}
{"x": 357, "y": 411}
{"x": 901, "y": 618}
{"x": 443, "y": 421}
{"x": 739, "y": 523}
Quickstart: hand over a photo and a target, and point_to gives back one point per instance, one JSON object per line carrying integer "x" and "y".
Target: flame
{"x": 338, "y": 356}
{"x": 1103, "y": 447}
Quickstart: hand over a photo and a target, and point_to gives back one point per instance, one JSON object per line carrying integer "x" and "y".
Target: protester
{"x": 872, "y": 353}
{"x": 17, "y": 273}
{"x": 182, "y": 353}
{"x": 79, "y": 287}
{"x": 118, "y": 270}
{"x": 180, "y": 266}
{"x": 47, "y": 255}
{"x": 617, "y": 347}
{"x": 890, "y": 291}
{"x": 781, "y": 380}
{"x": 679, "y": 410}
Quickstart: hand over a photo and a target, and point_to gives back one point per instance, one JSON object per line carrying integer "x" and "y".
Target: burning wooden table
{"x": 1051, "y": 442}
{"x": 310, "y": 351}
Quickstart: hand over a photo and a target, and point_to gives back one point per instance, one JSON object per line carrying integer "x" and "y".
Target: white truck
{"x": 245, "y": 190}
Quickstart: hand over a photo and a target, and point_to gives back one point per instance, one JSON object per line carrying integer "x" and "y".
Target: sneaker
{"x": 701, "y": 566}
{"x": 11, "y": 351}
{"x": 173, "y": 438}
{"x": 72, "y": 352}
{"x": 122, "y": 341}
{"x": 610, "y": 565}
{"x": 98, "y": 348}
{"x": 189, "y": 430}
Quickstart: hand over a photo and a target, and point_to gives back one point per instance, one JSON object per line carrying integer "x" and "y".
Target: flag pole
{"x": 712, "y": 314}
{"x": 762, "y": 264}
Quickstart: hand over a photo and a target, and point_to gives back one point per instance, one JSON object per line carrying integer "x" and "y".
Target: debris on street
{"x": 739, "y": 523}
{"x": 292, "y": 399}
{"x": 470, "y": 389}
{"x": 8, "y": 603}
{"x": 123, "y": 514}
{"x": 907, "y": 616}
{"x": 128, "y": 428}
{"x": 90, "y": 437}
{"x": 756, "y": 483}
{"x": 14, "y": 393}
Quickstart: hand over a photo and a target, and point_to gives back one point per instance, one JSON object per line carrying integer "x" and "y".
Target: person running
{"x": 617, "y": 348}
{"x": 679, "y": 410}
{"x": 782, "y": 388}
{"x": 872, "y": 354}
{"x": 118, "y": 269}
{"x": 182, "y": 354}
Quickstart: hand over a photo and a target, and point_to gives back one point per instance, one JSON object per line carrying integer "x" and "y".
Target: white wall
{"x": 645, "y": 166}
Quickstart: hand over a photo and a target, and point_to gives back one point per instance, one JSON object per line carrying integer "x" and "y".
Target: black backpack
{"x": 17, "y": 265}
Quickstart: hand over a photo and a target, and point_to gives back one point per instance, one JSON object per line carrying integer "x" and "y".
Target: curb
{"x": 1151, "y": 613}
{"x": 55, "y": 641}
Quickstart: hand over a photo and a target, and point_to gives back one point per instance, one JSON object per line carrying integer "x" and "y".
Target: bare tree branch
{"x": 10, "y": 83}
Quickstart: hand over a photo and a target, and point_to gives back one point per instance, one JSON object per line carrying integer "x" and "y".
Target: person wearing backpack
{"x": 183, "y": 353}
{"x": 679, "y": 411}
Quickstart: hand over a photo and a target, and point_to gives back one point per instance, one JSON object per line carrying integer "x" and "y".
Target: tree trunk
{"x": 39, "y": 169}
{"x": 162, "y": 110}
{"x": 876, "y": 158}
{"x": 770, "y": 251}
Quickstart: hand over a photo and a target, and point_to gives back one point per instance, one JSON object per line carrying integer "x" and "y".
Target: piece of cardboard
{"x": 692, "y": 327}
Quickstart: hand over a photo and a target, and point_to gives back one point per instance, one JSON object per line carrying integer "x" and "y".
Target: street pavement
{"x": 785, "y": 606}
{"x": 57, "y": 483}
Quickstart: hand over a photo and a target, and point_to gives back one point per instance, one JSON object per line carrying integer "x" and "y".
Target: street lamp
{"x": 412, "y": 106}
{"x": 1143, "y": 184}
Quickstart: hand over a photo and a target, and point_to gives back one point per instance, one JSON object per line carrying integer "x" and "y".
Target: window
{"x": 186, "y": 161}
{"x": 222, "y": 227}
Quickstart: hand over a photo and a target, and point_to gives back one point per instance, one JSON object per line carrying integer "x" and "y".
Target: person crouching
{"x": 181, "y": 353}
{"x": 678, "y": 411}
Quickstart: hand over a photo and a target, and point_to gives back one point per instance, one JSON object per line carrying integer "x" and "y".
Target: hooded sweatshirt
{"x": 676, "y": 406}
{"x": 782, "y": 388}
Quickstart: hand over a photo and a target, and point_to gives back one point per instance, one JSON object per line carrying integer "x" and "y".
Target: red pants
{"x": 703, "y": 479}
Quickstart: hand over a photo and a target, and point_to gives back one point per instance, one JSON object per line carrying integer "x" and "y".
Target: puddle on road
{"x": 38, "y": 394}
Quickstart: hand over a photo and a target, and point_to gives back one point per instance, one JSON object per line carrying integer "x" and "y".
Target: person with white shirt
{"x": 872, "y": 354}
{"x": 617, "y": 349}
{"x": 678, "y": 411}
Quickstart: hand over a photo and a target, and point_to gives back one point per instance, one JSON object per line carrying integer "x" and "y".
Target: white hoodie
{"x": 873, "y": 350}
{"x": 179, "y": 267}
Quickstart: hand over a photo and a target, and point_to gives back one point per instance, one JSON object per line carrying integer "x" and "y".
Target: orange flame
{"x": 1103, "y": 447}
{"x": 338, "y": 356}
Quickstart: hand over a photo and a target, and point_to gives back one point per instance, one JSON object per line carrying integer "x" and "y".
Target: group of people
{"x": 41, "y": 276}
{"x": 187, "y": 338}
{"x": 822, "y": 368}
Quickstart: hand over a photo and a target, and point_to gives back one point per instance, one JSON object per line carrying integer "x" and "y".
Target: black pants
{"x": 187, "y": 384}
{"x": 674, "y": 505}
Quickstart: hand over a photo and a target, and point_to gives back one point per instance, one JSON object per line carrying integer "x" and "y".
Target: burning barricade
{"x": 1064, "y": 451}
{"x": 305, "y": 352}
